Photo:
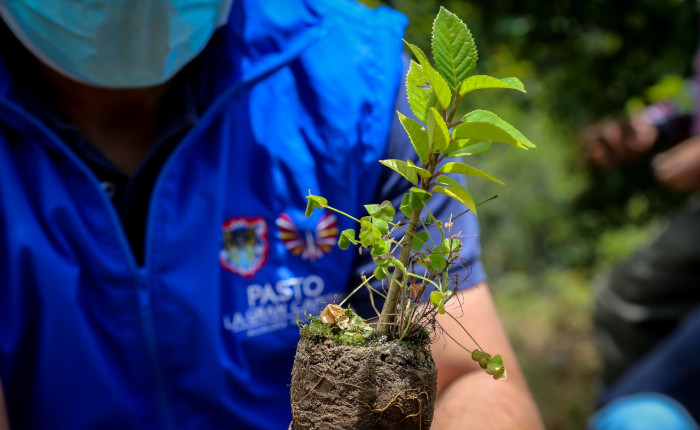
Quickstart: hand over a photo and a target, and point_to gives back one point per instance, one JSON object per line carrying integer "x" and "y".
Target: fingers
{"x": 679, "y": 167}
{"x": 613, "y": 143}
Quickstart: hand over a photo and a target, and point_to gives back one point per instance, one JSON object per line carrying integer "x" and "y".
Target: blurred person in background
{"x": 646, "y": 314}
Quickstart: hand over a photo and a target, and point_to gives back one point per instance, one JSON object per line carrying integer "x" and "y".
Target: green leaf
{"x": 382, "y": 225}
{"x": 441, "y": 250}
{"x": 438, "y": 258}
{"x": 466, "y": 169}
{"x": 314, "y": 202}
{"x": 417, "y": 135}
{"x": 384, "y": 211}
{"x": 380, "y": 273}
{"x": 482, "y": 82}
{"x": 383, "y": 260}
{"x": 420, "y": 56}
{"x": 486, "y": 125}
{"x": 496, "y": 368}
{"x": 351, "y": 337}
{"x": 405, "y": 206}
{"x": 453, "y": 48}
{"x": 421, "y": 171}
{"x": 435, "y": 298}
{"x": 464, "y": 147}
{"x": 380, "y": 247}
{"x": 454, "y": 244}
{"x": 496, "y": 360}
{"x": 413, "y": 201}
{"x": 419, "y": 97}
{"x": 419, "y": 240}
{"x": 455, "y": 190}
{"x": 401, "y": 167}
{"x": 369, "y": 234}
{"x": 437, "y": 262}
{"x": 441, "y": 307}
{"x": 347, "y": 238}
{"x": 438, "y": 134}
{"x": 419, "y": 195}
{"x": 478, "y": 355}
{"x": 396, "y": 263}
{"x": 438, "y": 299}
{"x": 437, "y": 82}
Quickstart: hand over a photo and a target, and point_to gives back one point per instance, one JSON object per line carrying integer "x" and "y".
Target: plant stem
{"x": 389, "y": 311}
{"x": 388, "y": 315}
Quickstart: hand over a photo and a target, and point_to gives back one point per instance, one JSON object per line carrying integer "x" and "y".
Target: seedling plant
{"x": 415, "y": 253}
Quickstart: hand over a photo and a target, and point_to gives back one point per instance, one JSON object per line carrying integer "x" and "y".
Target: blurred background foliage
{"x": 558, "y": 226}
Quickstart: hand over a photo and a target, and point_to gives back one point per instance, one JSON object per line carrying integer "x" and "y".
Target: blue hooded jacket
{"x": 299, "y": 98}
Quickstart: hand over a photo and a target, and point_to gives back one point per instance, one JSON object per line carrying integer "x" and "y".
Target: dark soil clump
{"x": 339, "y": 386}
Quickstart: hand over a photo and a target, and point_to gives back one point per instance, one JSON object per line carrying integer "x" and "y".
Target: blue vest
{"x": 202, "y": 335}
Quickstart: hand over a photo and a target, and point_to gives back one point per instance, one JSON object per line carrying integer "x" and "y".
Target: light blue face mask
{"x": 115, "y": 43}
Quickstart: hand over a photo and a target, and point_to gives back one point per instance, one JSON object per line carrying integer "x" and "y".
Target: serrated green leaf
{"x": 465, "y": 169}
{"x": 453, "y": 48}
{"x": 455, "y": 190}
{"x": 419, "y": 54}
{"x": 347, "y": 238}
{"x": 437, "y": 82}
{"x": 486, "y": 125}
{"x": 433, "y": 101}
{"x": 419, "y": 94}
{"x": 421, "y": 171}
{"x": 464, "y": 147}
{"x": 438, "y": 134}
{"x": 314, "y": 202}
{"x": 416, "y": 83}
{"x": 482, "y": 82}
{"x": 401, "y": 167}
{"x": 418, "y": 136}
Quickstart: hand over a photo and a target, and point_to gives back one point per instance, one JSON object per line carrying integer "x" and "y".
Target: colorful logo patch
{"x": 309, "y": 244}
{"x": 245, "y": 245}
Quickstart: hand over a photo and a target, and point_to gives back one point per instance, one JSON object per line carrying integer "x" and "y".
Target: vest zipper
{"x": 146, "y": 311}
{"x": 140, "y": 274}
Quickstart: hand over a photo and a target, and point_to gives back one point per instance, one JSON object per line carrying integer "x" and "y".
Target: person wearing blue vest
{"x": 154, "y": 254}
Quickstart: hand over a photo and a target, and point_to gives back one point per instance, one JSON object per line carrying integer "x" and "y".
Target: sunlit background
{"x": 558, "y": 227}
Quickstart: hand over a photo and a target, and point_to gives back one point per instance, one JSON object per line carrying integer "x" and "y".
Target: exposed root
{"x": 360, "y": 391}
{"x": 394, "y": 402}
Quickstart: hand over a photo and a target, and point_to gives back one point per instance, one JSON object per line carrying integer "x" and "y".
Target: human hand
{"x": 4, "y": 421}
{"x": 679, "y": 167}
{"x": 611, "y": 144}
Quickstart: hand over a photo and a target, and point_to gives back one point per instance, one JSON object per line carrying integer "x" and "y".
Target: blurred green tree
{"x": 581, "y": 62}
